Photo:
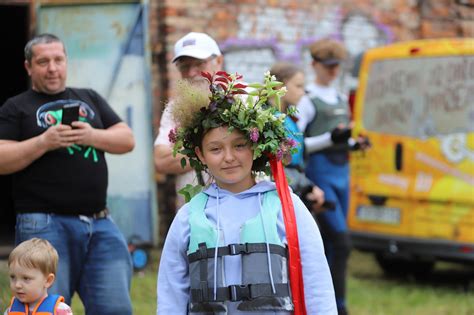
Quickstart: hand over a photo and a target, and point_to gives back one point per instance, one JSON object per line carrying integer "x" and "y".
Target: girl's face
{"x": 29, "y": 285}
{"x": 295, "y": 87}
{"x": 229, "y": 158}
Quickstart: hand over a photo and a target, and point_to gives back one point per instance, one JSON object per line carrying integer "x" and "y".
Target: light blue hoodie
{"x": 232, "y": 211}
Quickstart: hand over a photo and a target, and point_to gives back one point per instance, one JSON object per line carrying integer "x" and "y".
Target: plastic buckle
{"x": 239, "y": 292}
{"x": 102, "y": 214}
{"x": 237, "y": 249}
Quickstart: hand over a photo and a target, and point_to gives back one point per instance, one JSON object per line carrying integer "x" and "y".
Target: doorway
{"x": 14, "y": 28}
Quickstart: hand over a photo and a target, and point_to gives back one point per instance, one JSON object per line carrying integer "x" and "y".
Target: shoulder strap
{"x": 198, "y": 202}
{"x": 48, "y": 305}
{"x": 16, "y": 307}
{"x": 201, "y": 229}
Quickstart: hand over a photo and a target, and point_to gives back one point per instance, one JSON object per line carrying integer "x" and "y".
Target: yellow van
{"x": 412, "y": 193}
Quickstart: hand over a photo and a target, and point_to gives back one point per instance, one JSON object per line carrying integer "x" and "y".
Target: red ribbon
{"x": 296, "y": 274}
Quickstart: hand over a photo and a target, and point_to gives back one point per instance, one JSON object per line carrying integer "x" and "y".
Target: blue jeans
{"x": 93, "y": 259}
{"x": 333, "y": 179}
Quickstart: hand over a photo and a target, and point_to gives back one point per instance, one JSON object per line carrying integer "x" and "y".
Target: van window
{"x": 420, "y": 97}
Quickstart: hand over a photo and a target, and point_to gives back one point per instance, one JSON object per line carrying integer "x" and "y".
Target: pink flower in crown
{"x": 172, "y": 136}
{"x": 254, "y": 134}
{"x": 291, "y": 143}
{"x": 279, "y": 154}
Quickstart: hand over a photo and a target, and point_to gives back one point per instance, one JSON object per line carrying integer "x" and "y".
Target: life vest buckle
{"x": 237, "y": 249}
{"x": 239, "y": 292}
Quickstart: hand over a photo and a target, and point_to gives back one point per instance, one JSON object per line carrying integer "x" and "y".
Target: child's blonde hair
{"x": 35, "y": 253}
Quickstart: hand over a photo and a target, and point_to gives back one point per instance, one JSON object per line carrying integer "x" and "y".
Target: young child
{"x": 293, "y": 78}
{"x": 32, "y": 266}
{"x": 226, "y": 251}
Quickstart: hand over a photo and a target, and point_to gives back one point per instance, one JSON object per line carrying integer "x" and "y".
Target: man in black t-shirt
{"x": 60, "y": 178}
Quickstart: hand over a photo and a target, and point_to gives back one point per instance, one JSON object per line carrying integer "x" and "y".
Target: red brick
{"x": 467, "y": 28}
{"x": 437, "y": 29}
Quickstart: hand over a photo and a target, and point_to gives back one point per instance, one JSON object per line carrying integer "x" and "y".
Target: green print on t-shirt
{"x": 57, "y": 115}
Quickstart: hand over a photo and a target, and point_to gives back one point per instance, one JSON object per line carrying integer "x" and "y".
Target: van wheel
{"x": 400, "y": 267}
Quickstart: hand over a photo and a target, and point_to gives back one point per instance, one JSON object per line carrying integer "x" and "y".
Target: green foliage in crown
{"x": 227, "y": 102}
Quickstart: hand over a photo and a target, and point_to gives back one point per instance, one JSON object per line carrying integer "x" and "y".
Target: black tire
{"x": 401, "y": 267}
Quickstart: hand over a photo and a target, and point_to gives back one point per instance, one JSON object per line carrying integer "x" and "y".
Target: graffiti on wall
{"x": 269, "y": 34}
{"x": 249, "y": 57}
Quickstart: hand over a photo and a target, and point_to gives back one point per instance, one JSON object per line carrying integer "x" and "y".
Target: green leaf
{"x": 278, "y": 103}
{"x": 189, "y": 191}
{"x": 255, "y": 85}
{"x": 241, "y": 115}
{"x": 269, "y": 134}
{"x": 274, "y": 84}
{"x": 292, "y": 110}
{"x": 183, "y": 162}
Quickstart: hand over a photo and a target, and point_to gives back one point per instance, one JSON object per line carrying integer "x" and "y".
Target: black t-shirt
{"x": 67, "y": 180}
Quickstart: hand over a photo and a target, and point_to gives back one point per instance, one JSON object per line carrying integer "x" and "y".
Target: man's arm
{"x": 17, "y": 155}
{"x": 166, "y": 163}
{"x": 116, "y": 139}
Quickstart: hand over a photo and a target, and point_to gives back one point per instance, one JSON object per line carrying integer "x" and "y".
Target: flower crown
{"x": 228, "y": 103}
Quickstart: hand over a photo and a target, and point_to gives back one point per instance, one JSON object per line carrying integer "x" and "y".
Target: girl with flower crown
{"x": 240, "y": 247}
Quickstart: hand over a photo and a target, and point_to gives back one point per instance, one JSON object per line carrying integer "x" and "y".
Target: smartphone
{"x": 70, "y": 113}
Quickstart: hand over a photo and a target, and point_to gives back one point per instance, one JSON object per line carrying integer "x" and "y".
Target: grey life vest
{"x": 328, "y": 116}
{"x": 255, "y": 293}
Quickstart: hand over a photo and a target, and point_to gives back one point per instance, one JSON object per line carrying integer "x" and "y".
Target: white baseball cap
{"x": 196, "y": 45}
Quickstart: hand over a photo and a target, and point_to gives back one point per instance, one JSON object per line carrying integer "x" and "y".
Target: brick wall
{"x": 281, "y": 29}
{"x": 253, "y": 34}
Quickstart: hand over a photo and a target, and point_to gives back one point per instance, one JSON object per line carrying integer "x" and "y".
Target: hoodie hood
{"x": 261, "y": 187}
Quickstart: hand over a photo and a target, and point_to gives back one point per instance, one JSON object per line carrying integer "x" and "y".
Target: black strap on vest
{"x": 203, "y": 285}
{"x": 240, "y": 292}
{"x": 236, "y": 249}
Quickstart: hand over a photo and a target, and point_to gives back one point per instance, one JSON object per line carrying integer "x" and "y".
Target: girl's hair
{"x": 284, "y": 71}
{"x": 35, "y": 253}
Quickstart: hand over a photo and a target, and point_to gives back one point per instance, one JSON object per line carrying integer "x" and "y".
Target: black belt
{"x": 237, "y": 249}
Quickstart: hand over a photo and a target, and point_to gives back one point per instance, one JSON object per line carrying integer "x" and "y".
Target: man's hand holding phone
{"x": 56, "y": 137}
{"x": 83, "y": 133}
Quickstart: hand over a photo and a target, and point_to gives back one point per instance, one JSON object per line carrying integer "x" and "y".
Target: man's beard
{"x": 198, "y": 81}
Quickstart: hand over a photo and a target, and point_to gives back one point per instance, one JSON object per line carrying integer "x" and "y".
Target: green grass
{"x": 370, "y": 292}
{"x": 445, "y": 292}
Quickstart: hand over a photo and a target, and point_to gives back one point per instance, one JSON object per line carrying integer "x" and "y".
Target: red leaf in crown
{"x": 207, "y": 75}
{"x": 240, "y": 86}
{"x": 222, "y": 85}
{"x": 223, "y": 74}
{"x": 221, "y": 79}
{"x": 239, "y": 91}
